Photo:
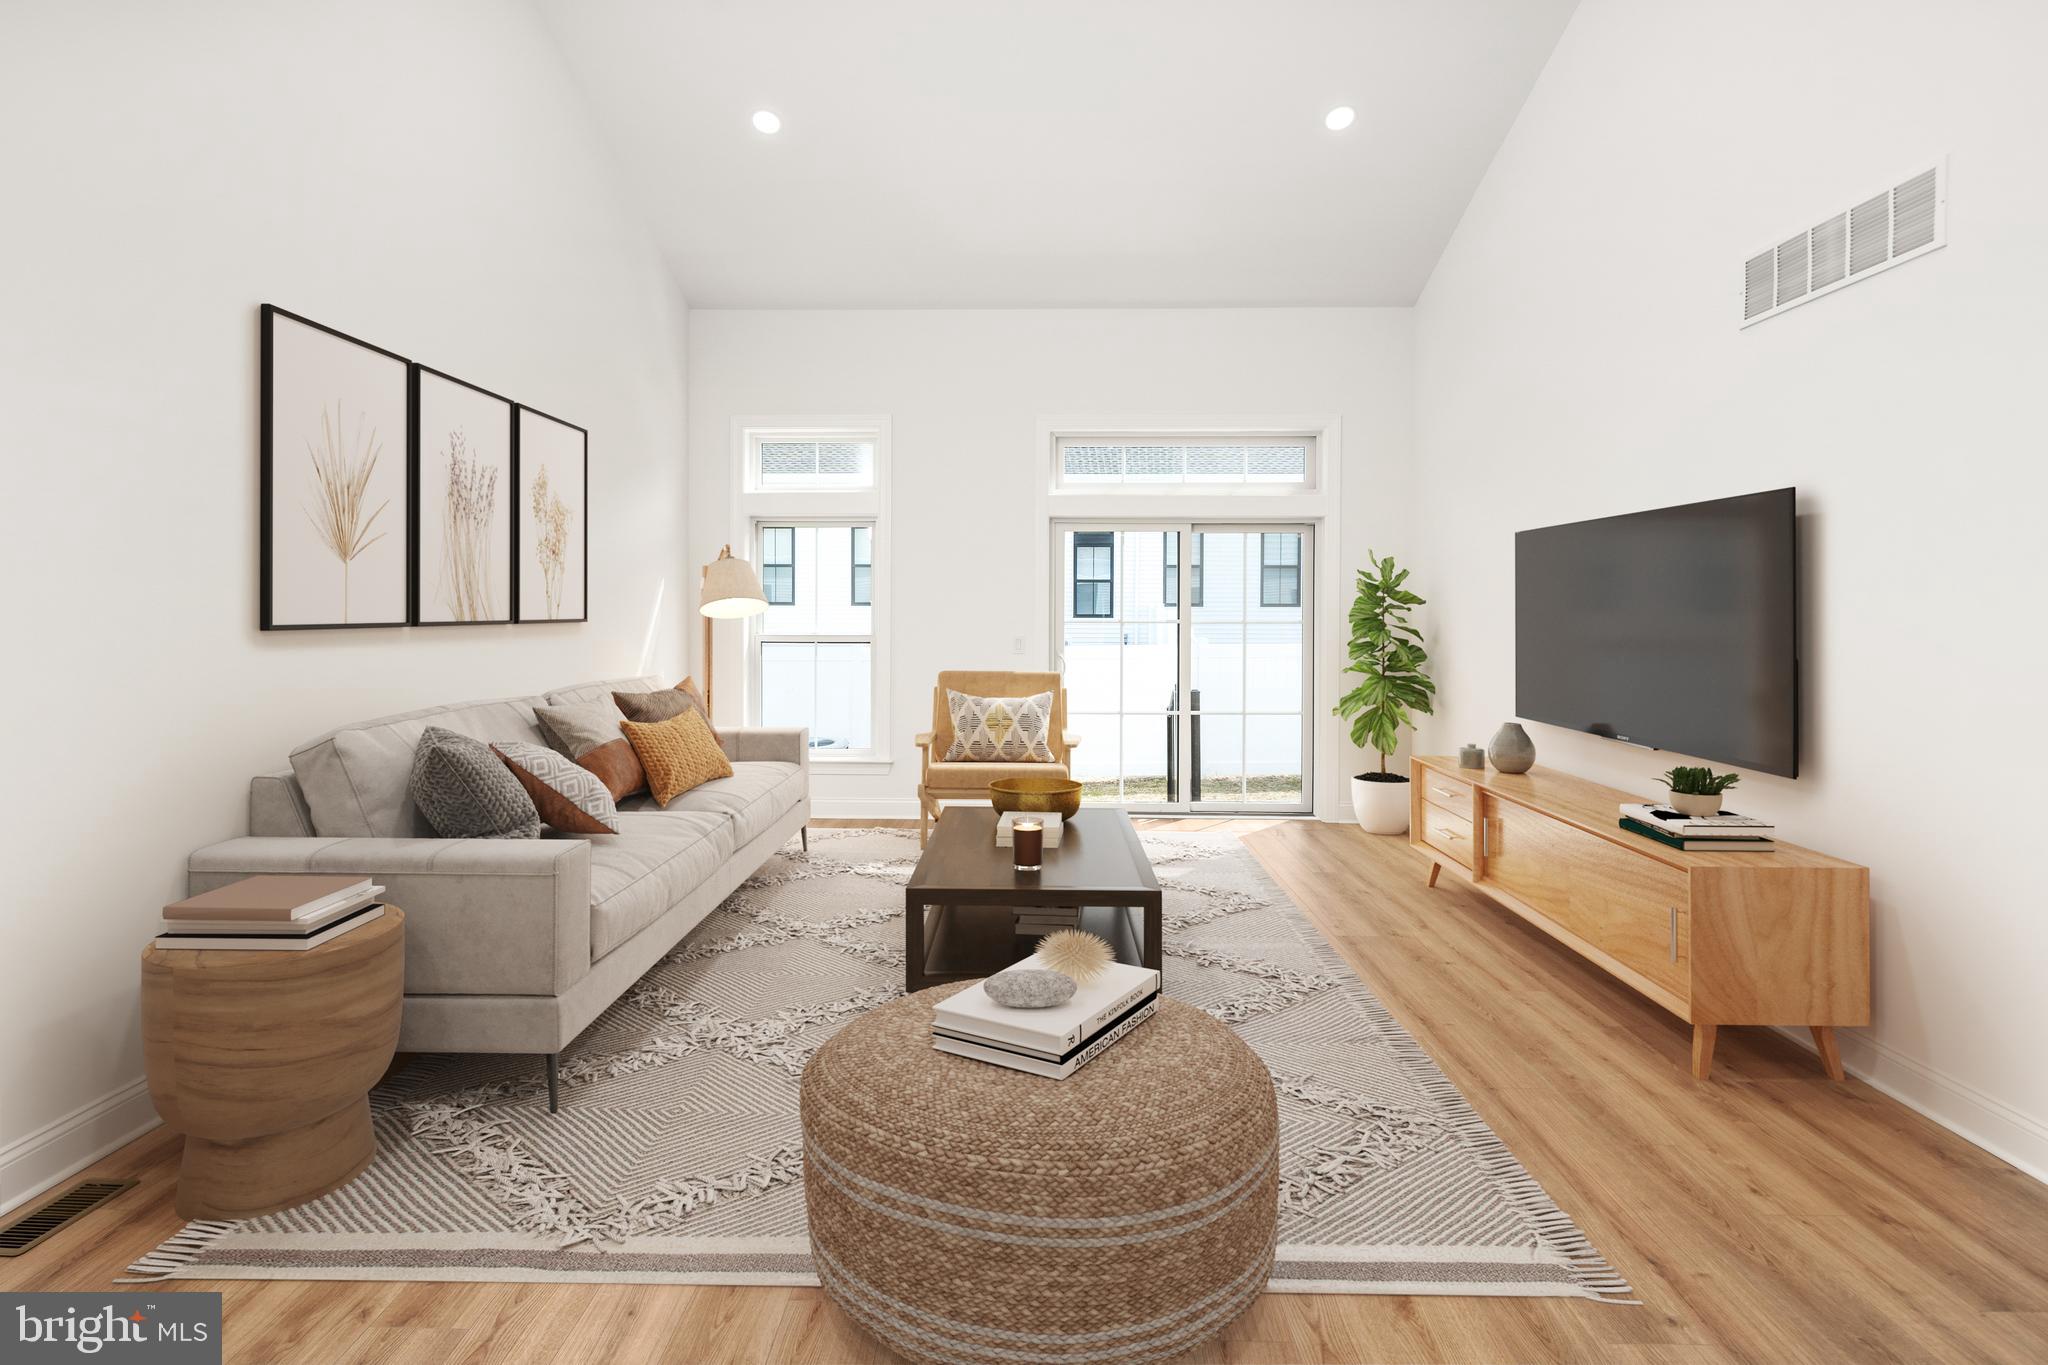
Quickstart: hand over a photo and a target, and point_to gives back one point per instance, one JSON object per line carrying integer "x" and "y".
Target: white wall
{"x": 966, "y": 393}
{"x": 420, "y": 175}
{"x": 1577, "y": 355}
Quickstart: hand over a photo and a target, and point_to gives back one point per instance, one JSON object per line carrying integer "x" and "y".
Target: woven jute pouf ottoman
{"x": 964, "y": 1212}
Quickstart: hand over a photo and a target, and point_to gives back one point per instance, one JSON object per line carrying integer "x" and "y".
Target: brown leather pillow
{"x": 588, "y": 735}
{"x": 650, "y": 708}
{"x": 568, "y": 796}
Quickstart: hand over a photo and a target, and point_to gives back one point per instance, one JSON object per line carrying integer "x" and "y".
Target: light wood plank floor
{"x": 1764, "y": 1216}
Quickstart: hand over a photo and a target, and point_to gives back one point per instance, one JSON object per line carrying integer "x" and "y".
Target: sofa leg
{"x": 554, "y": 1060}
{"x": 805, "y": 835}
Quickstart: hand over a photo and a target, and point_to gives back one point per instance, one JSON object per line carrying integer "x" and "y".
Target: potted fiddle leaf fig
{"x": 1394, "y": 686}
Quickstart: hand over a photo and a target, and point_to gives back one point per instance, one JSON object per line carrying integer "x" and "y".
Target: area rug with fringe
{"x": 676, "y": 1154}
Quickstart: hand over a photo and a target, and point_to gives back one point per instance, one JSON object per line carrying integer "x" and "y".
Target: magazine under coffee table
{"x": 958, "y": 920}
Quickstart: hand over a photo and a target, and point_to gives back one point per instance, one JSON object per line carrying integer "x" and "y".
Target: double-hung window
{"x": 1095, "y": 574}
{"x": 813, "y": 505}
{"x": 1279, "y": 570}
{"x": 862, "y": 588}
{"x": 778, "y": 565}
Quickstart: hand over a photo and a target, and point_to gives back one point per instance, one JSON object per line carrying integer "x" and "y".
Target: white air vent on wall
{"x": 1909, "y": 219}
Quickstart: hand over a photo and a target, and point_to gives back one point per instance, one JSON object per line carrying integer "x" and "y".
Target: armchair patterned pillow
{"x": 1000, "y": 729}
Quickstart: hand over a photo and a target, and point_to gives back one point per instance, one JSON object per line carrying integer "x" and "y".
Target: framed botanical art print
{"x": 462, "y": 501}
{"x": 551, "y": 465}
{"x": 335, "y": 488}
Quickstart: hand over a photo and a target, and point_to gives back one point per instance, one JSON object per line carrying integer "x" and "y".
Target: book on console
{"x": 1057, "y": 1030}
{"x": 1695, "y": 826}
{"x": 1061, "y": 1068}
{"x": 283, "y": 942}
{"x": 1719, "y": 844}
{"x": 276, "y": 897}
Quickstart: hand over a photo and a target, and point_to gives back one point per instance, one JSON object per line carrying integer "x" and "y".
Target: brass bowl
{"x": 1047, "y": 795}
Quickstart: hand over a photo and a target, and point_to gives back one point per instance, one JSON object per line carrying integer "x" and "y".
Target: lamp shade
{"x": 731, "y": 589}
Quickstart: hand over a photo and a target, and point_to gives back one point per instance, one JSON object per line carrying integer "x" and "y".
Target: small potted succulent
{"x": 1697, "y": 791}
{"x": 1387, "y": 654}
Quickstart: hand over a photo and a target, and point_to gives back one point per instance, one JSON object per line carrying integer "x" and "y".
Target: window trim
{"x": 750, "y": 506}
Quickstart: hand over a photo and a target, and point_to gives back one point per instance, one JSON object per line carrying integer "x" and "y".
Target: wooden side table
{"x": 264, "y": 1061}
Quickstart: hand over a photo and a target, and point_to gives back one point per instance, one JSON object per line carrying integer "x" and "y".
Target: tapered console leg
{"x": 1830, "y": 1055}
{"x": 1702, "y": 1050}
{"x": 1434, "y": 868}
{"x": 554, "y": 1081}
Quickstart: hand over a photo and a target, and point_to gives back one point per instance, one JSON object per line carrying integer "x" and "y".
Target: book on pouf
{"x": 1052, "y": 1042}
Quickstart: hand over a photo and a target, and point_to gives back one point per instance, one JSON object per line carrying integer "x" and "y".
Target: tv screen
{"x": 1674, "y": 629}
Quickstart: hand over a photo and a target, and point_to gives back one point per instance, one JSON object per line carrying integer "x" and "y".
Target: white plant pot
{"x": 1698, "y": 807}
{"x": 1381, "y": 807}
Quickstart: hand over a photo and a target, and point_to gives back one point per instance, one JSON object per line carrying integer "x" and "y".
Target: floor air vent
{"x": 81, "y": 1199}
{"x": 1910, "y": 219}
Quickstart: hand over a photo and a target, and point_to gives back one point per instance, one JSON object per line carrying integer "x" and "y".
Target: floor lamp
{"x": 732, "y": 590}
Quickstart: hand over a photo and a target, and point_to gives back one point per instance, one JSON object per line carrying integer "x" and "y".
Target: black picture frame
{"x": 420, "y": 570}
{"x": 267, "y": 612}
{"x": 522, "y": 511}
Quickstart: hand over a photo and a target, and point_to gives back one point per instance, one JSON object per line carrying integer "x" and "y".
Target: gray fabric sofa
{"x": 516, "y": 945}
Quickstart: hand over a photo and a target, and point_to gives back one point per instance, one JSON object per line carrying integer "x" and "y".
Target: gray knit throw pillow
{"x": 464, "y": 792}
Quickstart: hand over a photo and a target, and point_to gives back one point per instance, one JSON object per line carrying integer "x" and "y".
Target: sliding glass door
{"x": 1185, "y": 649}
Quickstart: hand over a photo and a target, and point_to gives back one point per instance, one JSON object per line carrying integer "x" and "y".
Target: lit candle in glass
{"x": 1027, "y": 839}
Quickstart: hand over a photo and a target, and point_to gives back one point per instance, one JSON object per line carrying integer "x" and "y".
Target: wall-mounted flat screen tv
{"x": 1675, "y": 629}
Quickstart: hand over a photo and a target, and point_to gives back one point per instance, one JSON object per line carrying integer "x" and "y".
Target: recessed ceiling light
{"x": 1337, "y": 120}
{"x": 766, "y": 122}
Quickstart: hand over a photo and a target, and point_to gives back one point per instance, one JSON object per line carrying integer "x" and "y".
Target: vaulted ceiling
{"x": 1040, "y": 153}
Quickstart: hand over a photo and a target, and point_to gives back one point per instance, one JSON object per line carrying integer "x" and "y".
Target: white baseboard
{"x": 863, "y": 807}
{"x": 1969, "y": 1113}
{"x": 58, "y": 1150}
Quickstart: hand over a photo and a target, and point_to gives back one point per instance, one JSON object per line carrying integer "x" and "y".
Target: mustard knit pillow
{"x": 678, "y": 753}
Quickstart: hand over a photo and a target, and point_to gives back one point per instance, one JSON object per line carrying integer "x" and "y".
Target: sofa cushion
{"x": 569, "y": 798}
{"x": 356, "y": 778}
{"x": 753, "y": 798}
{"x": 588, "y": 734}
{"x": 601, "y": 690}
{"x": 463, "y": 791}
{"x": 655, "y": 860}
{"x": 975, "y": 777}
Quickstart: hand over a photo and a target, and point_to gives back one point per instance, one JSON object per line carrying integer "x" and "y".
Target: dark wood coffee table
{"x": 957, "y": 922}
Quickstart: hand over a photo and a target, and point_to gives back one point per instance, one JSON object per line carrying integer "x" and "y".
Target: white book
{"x": 273, "y": 943}
{"x": 288, "y": 928}
{"x": 1727, "y": 823}
{"x": 1057, "y": 1071}
{"x": 1054, "y": 1030}
{"x": 1011, "y": 817}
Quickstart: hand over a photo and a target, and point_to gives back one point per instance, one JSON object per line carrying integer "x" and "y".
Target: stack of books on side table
{"x": 1723, "y": 833}
{"x": 1054, "y": 1042}
{"x": 283, "y": 913}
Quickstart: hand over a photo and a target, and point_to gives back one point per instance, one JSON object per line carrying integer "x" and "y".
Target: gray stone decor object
{"x": 464, "y": 792}
{"x": 1471, "y": 756}
{"x": 1030, "y": 989}
{"x": 1512, "y": 751}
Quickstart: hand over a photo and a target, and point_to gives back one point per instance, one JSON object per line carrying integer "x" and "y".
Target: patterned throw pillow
{"x": 1000, "y": 729}
{"x": 678, "y": 753}
{"x": 649, "y": 707}
{"x": 588, "y": 735}
{"x": 464, "y": 792}
{"x": 567, "y": 795}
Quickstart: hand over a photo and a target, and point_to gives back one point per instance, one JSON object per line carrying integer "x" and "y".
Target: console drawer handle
{"x": 1446, "y": 791}
{"x": 1674, "y": 933}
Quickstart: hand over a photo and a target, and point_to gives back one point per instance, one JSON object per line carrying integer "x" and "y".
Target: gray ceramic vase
{"x": 1512, "y": 751}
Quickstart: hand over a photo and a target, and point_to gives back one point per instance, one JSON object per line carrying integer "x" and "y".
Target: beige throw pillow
{"x": 1000, "y": 729}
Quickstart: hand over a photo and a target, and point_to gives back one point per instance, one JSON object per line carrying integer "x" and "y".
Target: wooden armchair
{"x": 939, "y": 780}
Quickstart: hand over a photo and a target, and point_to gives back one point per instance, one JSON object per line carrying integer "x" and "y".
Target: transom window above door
{"x": 1237, "y": 463}
{"x": 792, "y": 461}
